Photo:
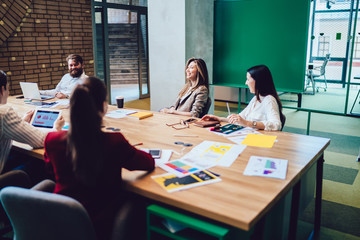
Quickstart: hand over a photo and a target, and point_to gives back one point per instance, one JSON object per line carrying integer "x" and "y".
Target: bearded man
{"x": 70, "y": 80}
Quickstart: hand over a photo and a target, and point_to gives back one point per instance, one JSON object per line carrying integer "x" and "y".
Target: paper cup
{"x": 120, "y": 101}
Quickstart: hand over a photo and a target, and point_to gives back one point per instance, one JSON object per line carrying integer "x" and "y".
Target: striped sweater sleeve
{"x": 14, "y": 128}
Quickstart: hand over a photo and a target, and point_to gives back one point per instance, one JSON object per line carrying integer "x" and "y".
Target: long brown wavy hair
{"x": 202, "y": 77}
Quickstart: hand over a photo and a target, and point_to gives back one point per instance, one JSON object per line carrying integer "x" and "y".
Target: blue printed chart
{"x": 266, "y": 167}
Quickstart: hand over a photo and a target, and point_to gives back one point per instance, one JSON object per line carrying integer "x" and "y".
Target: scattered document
{"x": 257, "y": 140}
{"x": 165, "y": 156}
{"x": 120, "y": 113}
{"x": 172, "y": 183}
{"x": 241, "y": 131}
{"x": 266, "y": 167}
{"x": 215, "y": 153}
{"x": 60, "y": 103}
{"x": 227, "y": 129}
{"x": 238, "y": 139}
{"x": 185, "y": 167}
{"x": 63, "y": 102}
{"x": 22, "y": 145}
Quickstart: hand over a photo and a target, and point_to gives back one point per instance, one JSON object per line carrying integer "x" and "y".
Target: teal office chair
{"x": 317, "y": 72}
{"x": 17, "y": 178}
{"x": 43, "y": 216}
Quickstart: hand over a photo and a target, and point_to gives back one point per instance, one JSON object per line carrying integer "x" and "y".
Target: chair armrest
{"x": 16, "y": 178}
{"x": 46, "y": 185}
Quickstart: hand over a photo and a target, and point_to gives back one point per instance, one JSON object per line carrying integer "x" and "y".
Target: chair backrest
{"x": 207, "y": 107}
{"x": 17, "y": 178}
{"x": 42, "y": 216}
{"x": 283, "y": 120}
{"x": 322, "y": 69}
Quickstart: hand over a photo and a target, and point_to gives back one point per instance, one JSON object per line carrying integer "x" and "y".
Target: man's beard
{"x": 76, "y": 72}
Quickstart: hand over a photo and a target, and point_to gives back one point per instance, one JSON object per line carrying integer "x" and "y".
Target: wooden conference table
{"x": 239, "y": 201}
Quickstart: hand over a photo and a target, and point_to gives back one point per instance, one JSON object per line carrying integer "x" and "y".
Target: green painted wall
{"x": 253, "y": 32}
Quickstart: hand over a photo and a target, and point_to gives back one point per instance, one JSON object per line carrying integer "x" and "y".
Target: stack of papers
{"x": 205, "y": 155}
{"x": 190, "y": 170}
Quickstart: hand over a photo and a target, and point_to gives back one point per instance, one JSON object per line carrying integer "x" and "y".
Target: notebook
{"x": 141, "y": 115}
{"x": 44, "y": 119}
{"x": 31, "y": 91}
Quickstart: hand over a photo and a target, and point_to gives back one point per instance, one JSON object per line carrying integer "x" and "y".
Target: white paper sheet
{"x": 215, "y": 153}
{"x": 120, "y": 113}
{"x": 266, "y": 167}
{"x": 165, "y": 156}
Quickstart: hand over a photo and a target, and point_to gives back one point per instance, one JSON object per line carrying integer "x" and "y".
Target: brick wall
{"x": 37, "y": 35}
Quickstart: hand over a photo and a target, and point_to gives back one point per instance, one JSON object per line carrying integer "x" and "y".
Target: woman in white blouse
{"x": 12, "y": 127}
{"x": 264, "y": 111}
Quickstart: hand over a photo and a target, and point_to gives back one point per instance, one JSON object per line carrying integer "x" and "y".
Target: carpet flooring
{"x": 335, "y": 216}
{"x": 340, "y": 174}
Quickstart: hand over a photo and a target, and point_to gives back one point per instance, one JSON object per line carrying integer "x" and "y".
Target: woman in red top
{"x": 87, "y": 162}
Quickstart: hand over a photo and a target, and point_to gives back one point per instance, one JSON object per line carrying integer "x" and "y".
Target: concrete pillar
{"x": 178, "y": 30}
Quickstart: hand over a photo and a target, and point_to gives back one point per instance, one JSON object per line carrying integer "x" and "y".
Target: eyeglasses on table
{"x": 178, "y": 126}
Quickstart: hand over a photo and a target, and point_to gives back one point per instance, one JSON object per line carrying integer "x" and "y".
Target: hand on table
{"x": 168, "y": 110}
{"x": 210, "y": 118}
{"x": 236, "y": 119}
{"x": 60, "y": 95}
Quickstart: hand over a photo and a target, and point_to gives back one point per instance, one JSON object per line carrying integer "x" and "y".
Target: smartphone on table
{"x": 155, "y": 153}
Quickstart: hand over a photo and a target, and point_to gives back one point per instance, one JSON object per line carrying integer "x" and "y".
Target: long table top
{"x": 238, "y": 200}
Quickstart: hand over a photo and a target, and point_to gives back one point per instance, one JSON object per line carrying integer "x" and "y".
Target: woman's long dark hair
{"x": 264, "y": 85}
{"x": 85, "y": 135}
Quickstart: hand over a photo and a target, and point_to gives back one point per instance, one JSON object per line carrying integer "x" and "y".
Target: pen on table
{"x": 179, "y": 135}
{"x": 137, "y": 144}
{"x": 227, "y": 104}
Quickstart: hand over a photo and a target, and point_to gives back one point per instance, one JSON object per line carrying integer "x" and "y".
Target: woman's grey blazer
{"x": 194, "y": 102}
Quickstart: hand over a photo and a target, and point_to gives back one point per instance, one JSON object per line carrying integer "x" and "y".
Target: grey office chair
{"x": 42, "y": 216}
{"x": 283, "y": 120}
{"x": 316, "y": 73}
{"x": 206, "y": 108}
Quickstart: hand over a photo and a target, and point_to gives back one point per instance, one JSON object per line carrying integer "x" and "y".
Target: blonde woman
{"x": 193, "y": 97}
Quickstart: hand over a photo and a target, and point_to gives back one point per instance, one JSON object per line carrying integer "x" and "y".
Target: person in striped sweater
{"x": 12, "y": 127}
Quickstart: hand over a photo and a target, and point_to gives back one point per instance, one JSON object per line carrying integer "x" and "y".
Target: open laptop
{"x": 31, "y": 91}
{"x": 44, "y": 119}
